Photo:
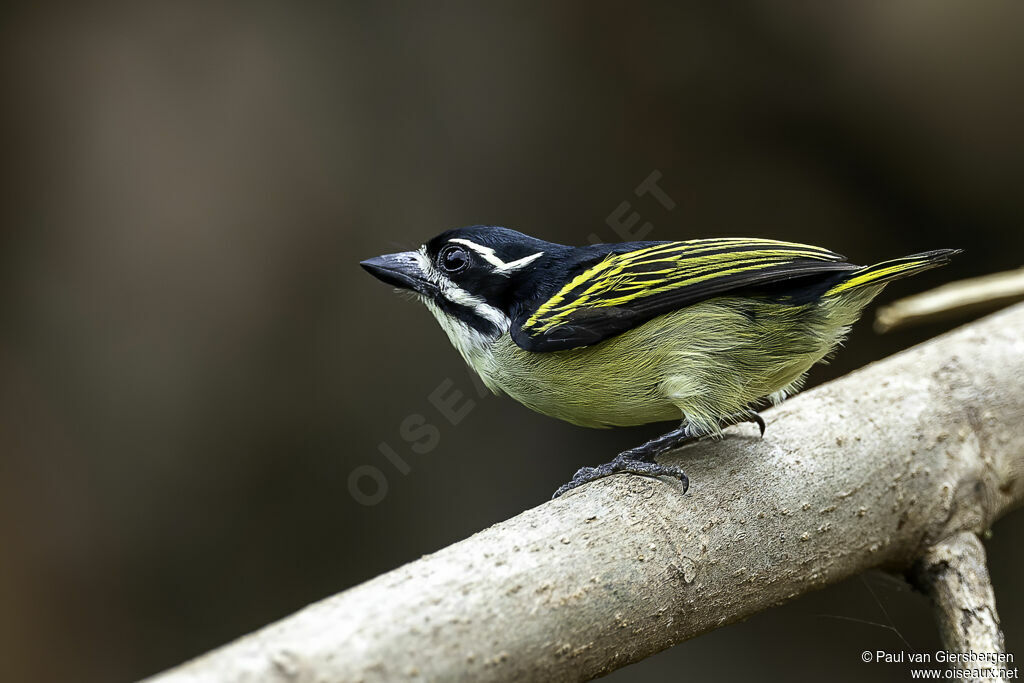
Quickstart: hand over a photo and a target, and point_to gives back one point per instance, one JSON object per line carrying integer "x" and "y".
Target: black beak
{"x": 400, "y": 270}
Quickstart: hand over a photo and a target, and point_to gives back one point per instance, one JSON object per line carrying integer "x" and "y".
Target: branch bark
{"x": 868, "y": 471}
{"x": 954, "y": 575}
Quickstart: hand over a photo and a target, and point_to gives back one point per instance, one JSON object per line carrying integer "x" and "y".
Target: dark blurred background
{"x": 192, "y": 363}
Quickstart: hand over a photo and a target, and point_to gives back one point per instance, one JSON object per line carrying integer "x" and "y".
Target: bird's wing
{"x": 623, "y": 290}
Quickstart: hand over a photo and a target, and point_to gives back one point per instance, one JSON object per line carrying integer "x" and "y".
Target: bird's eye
{"x": 453, "y": 259}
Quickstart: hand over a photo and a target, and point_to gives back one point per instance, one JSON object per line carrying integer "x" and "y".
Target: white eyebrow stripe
{"x": 500, "y": 266}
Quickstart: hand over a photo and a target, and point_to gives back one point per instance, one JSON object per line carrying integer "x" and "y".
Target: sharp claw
{"x": 748, "y": 416}
{"x": 760, "y": 423}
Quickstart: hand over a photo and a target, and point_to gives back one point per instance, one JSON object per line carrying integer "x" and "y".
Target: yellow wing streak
{"x": 682, "y": 271}
{"x": 872, "y": 275}
{"x": 693, "y": 264}
{"x": 673, "y": 252}
{"x": 697, "y": 275}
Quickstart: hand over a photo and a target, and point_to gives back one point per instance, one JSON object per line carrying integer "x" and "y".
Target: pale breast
{"x": 614, "y": 383}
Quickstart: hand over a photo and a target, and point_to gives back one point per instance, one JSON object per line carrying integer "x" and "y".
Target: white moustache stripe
{"x": 457, "y": 295}
{"x": 480, "y": 307}
{"x": 487, "y": 254}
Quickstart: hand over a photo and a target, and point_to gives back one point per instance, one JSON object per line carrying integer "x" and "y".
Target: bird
{"x": 699, "y": 331}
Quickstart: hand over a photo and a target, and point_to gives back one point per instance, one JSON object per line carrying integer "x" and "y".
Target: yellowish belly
{"x": 701, "y": 363}
{"x": 614, "y": 383}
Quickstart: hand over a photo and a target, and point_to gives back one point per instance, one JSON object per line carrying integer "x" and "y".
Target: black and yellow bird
{"x": 701, "y": 331}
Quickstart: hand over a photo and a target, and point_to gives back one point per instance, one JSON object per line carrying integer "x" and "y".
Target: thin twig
{"x": 961, "y": 298}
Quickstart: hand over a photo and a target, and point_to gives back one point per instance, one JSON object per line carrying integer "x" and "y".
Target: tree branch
{"x": 961, "y": 298}
{"x": 868, "y": 471}
{"x": 954, "y": 575}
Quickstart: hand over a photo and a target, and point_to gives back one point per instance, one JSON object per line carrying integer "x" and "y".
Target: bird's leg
{"x": 640, "y": 460}
{"x": 655, "y": 447}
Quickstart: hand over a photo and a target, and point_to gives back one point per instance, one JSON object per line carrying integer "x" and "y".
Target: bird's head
{"x": 472, "y": 279}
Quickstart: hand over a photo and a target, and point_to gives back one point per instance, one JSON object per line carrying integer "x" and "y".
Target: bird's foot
{"x": 626, "y": 465}
{"x": 640, "y": 460}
